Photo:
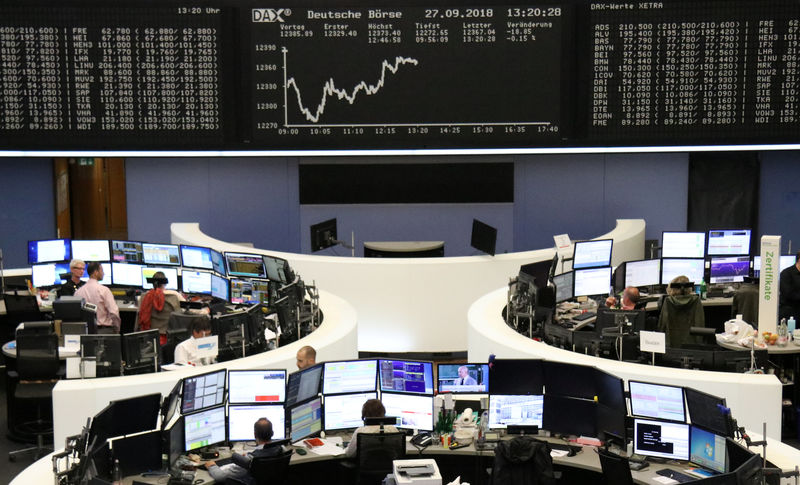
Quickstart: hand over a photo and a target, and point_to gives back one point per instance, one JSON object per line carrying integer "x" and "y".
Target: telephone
{"x": 422, "y": 440}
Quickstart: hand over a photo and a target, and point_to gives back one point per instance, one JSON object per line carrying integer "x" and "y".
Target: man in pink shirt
{"x": 108, "y": 320}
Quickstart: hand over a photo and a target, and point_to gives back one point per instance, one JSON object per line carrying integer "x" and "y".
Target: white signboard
{"x": 655, "y": 342}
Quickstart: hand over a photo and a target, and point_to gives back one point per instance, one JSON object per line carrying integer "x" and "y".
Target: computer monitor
{"x": 349, "y": 376}
{"x": 484, "y": 237}
{"x": 305, "y": 419}
{"x": 303, "y": 384}
{"x": 688, "y": 358}
{"x": 107, "y": 274}
{"x": 571, "y": 380}
{"x": 628, "y": 321}
{"x": 127, "y": 252}
{"x": 161, "y": 254}
{"x": 176, "y": 441}
{"x": 140, "y": 351}
{"x": 662, "y": 439}
{"x": 515, "y": 377}
{"x": 256, "y": 386}
{"x": 48, "y": 274}
{"x": 241, "y": 419}
{"x": 204, "y": 428}
{"x": 278, "y": 270}
{"x": 611, "y": 423}
{"x": 203, "y": 391}
{"x": 451, "y": 380}
{"x": 49, "y": 251}
{"x": 106, "y": 351}
{"x": 570, "y": 416}
{"x": 658, "y": 401}
{"x": 231, "y": 330}
{"x": 129, "y": 416}
{"x": 509, "y": 410}
{"x": 91, "y": 249}
{"x": 592, "y": 281}
{"x": 610, "y": 391}
{"x": 406, "y": 376}
{"x": 563, "y": 284}
{"x": 537, "y": 273}
{"x": 592, "y": 254}
{"x": 248, "y": 265}
{"x": 220, "y": 288}
{"x": 646, "y": 272}
{"x": 249, "y": 291}
{"x": 784, "y": 262}
{"x": 729, "y": 242}
{"x": 730, "y": 269}
{"x": 683, "y": 244}
{"x": 218, "y": 262}
{"x": 707, "y": 449}
{"x": 68, "y": 309}
{"x": 412, "y": 412}
{"x": 170, "y": 273}
{"x": 196, "y": 257}
{"x": 694, "y": 269}
{"x": 125, "y": 274}
{"x": 343, "y": 411}
{"x": 138, "y": 454}
{"x": 323, "y": 235}
{"x": 196, "y": 282}
{"x": 169, "y": 406}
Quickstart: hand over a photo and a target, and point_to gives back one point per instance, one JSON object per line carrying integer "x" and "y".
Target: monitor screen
{"x": 124, "y": 274}
{"x": 161, "y": 254}
{"x": 107, "y": 351}
{"x": 278, "y": 269}
{"x": 507, "y": 410}
{"x": 303, "y": 385}
{"x": 91, "y": 250}
{"x": 592, "y": 254}
{"x": 135, "y": 414}
{"x": 709, "y": 412}
{"x": 203, "y": 391}
{"x": 218, "y": 262}
{"x": 170, "y": 273}
{"x": 196, "y": 282}
{"x": 484, "y": 237}
{"x": 406, "y": 376}
{"x": 592, "y": 281}
{"x": 249, "y": 291}
{"x": 731, "y": 269}
{"x": 48, "y": 274}
{"x": 256, "y": 386}
{"x": 205, "y": 428}
{"x": 141, "y": 349}
{"x": 563, "y": 283}
{"x": 643, "y": 273}
{"x": 242, "y": 418}
{"x": 516, "y": 377}
{"x": 349, "y": 376}
{"x": 657, "y": 401}
{"x": 570, "y": 416}
{"x": 537, "y": 273}
{"x": 241, "y": 264}
{"x": 305, "y": 419}
{"x": 455, "y": 378}
{"x": 661, "y": 439}
{"x": 694, "y": 269}
{"x": 196, "y": 257}
{"x": 784, "y": 263}
{"x": 107, "y": 273}
{"x": 683, "y": 244}
{"x": 571, "y": 380}
{"x": 707, "y": 449}
{"x": 138, "y": 454}
{"x": 50, "y": 251}
{"x": 412, "y": 412}
{"x": 219, "y": 287}
{"x": 343, "y": 411}
{"x": 127, "y": 252}
{"x": 729, "y": 242}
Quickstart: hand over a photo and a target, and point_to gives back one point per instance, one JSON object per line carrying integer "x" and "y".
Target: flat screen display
{"x": 91, "y": 250}
{"x": 563, "y": 283}
{"x": 218, "y": 262}
{"x": 463, "y": 378}
{"x": 592, "y": 254}
{"x": 170, "y": 273}
{"x": 256, "y": 386}
{"x": 516, "y": 377}
{"x": 412, "y": 412}
{"x": 707, "y": 449}
{"x": 406, "y": 376}
{"x": 784, "y": 262}
{"x": 249, "y": 291}
{"x": 196, "y": 282}
{"x": 277, "y": 269}
{"x": 219, "y": 287}
{"x": 729, "y": 242}
{"x": 305, "y": 419}
{"x": 694, "y": 269}
{"x": 241, "y": 419}
{"x": 50, "y": 251}
{"x": 515, "y": 410}
{"x": 708, "y": 411}
{"x": 592, "y": 281}
{"x": 683, "y": 244}
{"x": 124, "y": 274}
{"x": 643, "y": 273}
{"x": 731, "y": 269}
{"x": 107, "y": 274}
{"x": 203, "y": 391}
{"x": 48, "y": 274}
{"x": 343, "y": 411}
{"x": 161, "y": 254}
{"x": 196, "y": 257}
{"x": 349, "y": 376}
{"x": 127, "y": 252}
{"x": 661, "y": 439}
{"x": 303, "y": 384}
{"x": 657, "y": 401}
{"x": 204, "y": 428}
{"x": 249, "y": 265}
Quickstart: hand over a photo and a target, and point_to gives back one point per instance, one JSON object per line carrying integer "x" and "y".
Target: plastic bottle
{"x": 703, "y": 289}
{"x": 116, "y": 474}
{"x": 791, "y": 324}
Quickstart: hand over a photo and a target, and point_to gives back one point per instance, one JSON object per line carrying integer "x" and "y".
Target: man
{"x": 630, "y": 297}
{"x": 107, "y": 318}
{"x": 790, "y": 289}
{"x": 76, "y": 267}
{"x": 306, "y": 357}
{"x": 464, "y": 379}
{"x": 262, "y": 430}
{"x": 186, "y": 351}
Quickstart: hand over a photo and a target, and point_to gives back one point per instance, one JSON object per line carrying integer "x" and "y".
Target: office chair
{"x": 678, "y": 314}
{"x": 271, "y": 470}
{"x": 21, "y": 308}
{"x": 509, "y": 469}
{"x": 375, "y": 453}
{"x": 616, "y": 470}
{"x": 37, "y": 367}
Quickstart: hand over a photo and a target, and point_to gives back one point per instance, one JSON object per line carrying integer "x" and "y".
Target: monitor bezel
{"x": 463, "y": 393}
{"x": 424, "y": 364}
{"x": 410, "y": 395}
{"x": 633, "y": 413}
{"x": 749, "y": 243}
{"x": 160, "y": 263}
{"x": 254, "y": 371}
{"x": 67, "y": 250}
{"x": 335, "y": 396}
{"x": 184, "y": 417}
{"x": 591, "y": 295}
{"x": 658, "y": 273}
{"x": 204, "y": 374}
{"x": 684, "y": 257}
{"x": 297, "y": 404}
{"x": 230, "y": 273}
{"x": 192, "y": 246}
{"x": 111, "y": 248}
{"x": 325, "y": 371}
{"x": 666, "y": 421}
{"x": 275, "y": 406}
{"x": 99, "y": 260}
{"x": 589, "y": 243}
{"x": 505, "y": 426}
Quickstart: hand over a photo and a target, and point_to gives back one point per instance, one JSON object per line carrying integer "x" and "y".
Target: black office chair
{"x": 37, "y": 367}
{"x": 616, "y": 470}
{"x": 375, "y": 453}
{"x": 678, "y": 314}
{"x": 271, "y": 470}
{"x": 21, "y": 308}
{"x": 508, "y": 469}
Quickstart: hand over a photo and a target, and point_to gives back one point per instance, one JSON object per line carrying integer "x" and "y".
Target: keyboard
{"x": 677, "y": 476}
{"x": 223, "y": 461}
{"x": 583, "y": 316}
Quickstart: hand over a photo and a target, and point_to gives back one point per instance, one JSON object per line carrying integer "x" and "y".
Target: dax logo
{"x": 268, "y": 14}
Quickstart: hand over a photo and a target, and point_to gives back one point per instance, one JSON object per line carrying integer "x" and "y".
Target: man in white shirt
{"x": 186, "y": 352}
{"x": 464, "y": 379}
{"x": 108, "y": 320}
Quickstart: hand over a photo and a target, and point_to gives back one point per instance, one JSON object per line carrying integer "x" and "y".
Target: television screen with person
{"x": 592, "y": 254}
{"x": 463, "y": 378}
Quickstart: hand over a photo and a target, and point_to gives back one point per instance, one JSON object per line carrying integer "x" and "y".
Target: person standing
{"x": 306, "y": 357}
{"x": 93, "y": 292}
{"x": 76, "y": 268}
{"x": 790, "y": 290}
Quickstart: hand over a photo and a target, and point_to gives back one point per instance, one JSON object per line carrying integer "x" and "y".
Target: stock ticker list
{"x": 122, "y": 74}
{"x": 686, "y": 70}
{"x": 406, "y": 77}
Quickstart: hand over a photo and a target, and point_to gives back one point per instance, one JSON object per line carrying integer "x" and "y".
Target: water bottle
{"x": 791, "y": 324}
{"x": 116, "y": 474}
{"x": 703, "y": 289}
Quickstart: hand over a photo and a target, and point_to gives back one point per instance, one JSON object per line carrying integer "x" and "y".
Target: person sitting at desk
{"x": 186, "y": 351}
{"x": 790, "y": 290}
{"x": 464, "y": 379}
{"x": 76, "y": 267}
{"x": 681, "y": 311}
{"x": 306, "y": 357}
{"x": 630, "y": 298}
{"x": 262, "y": 430}
{"x": 157, "y": 305}
{"x": 373, "y": 408}
{"x": 107, "y": 318}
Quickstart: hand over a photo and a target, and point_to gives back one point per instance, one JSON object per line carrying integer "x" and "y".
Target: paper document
{"x": 330, "y": 446}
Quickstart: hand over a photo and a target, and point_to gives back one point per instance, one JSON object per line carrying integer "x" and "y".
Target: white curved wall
{"x": 415, "y": 305}
{"x": 753, "y": 399}
{"x": 76, "y": 400}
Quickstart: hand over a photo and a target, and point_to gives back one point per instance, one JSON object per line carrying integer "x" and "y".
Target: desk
{"x": 10, "y": 351}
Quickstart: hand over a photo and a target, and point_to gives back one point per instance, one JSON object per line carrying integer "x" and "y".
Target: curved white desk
{"x": 753, "y": 399}
{"x": 76, "y": 400}
{"x": 415, "y": 304}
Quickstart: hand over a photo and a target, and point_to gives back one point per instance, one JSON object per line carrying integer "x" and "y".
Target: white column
{"x": 768, "y": 290}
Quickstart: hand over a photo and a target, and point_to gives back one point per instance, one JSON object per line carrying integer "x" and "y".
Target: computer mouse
{"x": 300, "y": 451}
